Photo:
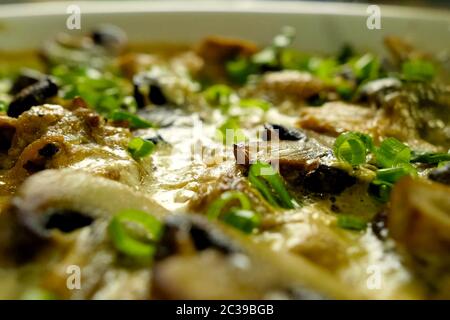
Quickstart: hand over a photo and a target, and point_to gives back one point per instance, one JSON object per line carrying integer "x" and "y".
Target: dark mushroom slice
{"x": 324, "y": 179}
{"x": 110, "y": 37}
{"x": 247, "y": 270}
{"x": 74, "y": 49}
{"x": 409, "y": 110}
{"x": 161, "y": 85}
{"x": 432, "y": 114}
{"x": 182, "y": 234}
{"x": 277, "y": 131}
{"x": 441, "y": 175}
{"x": 33, "y": 95}
{"x": 7, "y": 132}
{"x": 49, "y": 150}
{"x": 147, "y": 90}
{"x": 306, "y": 163}
{"x": 375, "y": 91}
{"x": 26, "y": 77}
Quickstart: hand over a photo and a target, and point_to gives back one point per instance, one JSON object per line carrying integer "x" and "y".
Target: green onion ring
{"x": 128, "y": 245}
{"x": 225, "y": 198}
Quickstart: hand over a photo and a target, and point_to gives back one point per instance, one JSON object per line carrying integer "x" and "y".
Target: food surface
{"x": 223, "y": 170}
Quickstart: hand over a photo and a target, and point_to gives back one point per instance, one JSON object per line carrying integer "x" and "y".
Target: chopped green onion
{"x": 140, "y": 148}
{"x": 244, "y": 220}
{"x": 271, "y": 55}
{"x": 239, "y": 214}
{"x": 325, "y": 69}
{"x": 294, "y": 60}
{"x": 368, "y": 142}
{"x": 102, "y": 90}
{"x": 443, "y": 164}
{"x": 420, "y": 70}
{"x": 135, "y": 121}
{"x": 345, "y": 90}
{"x": 129, "y": 244}
{"x": 230, "y": 132}
{"x": 226, "y": 199}
{"x": 3, "y": 106}
{"x": 367, "y": 67}
{"x": 391, "y": 153}
{"x": 430, "y": 157}
{"x": 239, "y": 69}
{"x": 218, "y": 95}
{"x": 381, "y": 187}
{"x": 129, "y": 104}
{"x": 258, "y": 103}
{"x": 352, "y": 147}
{"x": 381, "y": 190}
{"x": 351, "y": 222}
{"x": 392, "y": 175}
{"x": 270, "y": 184}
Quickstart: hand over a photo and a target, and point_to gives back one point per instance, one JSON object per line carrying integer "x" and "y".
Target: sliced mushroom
{"x": 374, "y": 91}
{"x": 68, "y": 211}
{"x": 290, "y": 84}
{"x": 305, "y": 163}
{"x": 73, "y": 191}
{"x": 67, "y": 200}
{"x": 401, "y": 49}
{"x": 33, "y": 95}
{"x": 334, "y": 118}
{"x": 419, "y": 216}
{"x": 248, "y": 270}
{"x": 419, "y": 220}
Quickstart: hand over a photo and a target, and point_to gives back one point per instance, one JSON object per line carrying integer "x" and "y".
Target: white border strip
{"x": 222, "y": 6}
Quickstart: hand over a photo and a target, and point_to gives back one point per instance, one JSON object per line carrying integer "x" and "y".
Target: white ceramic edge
{"x": 287, "y": 7}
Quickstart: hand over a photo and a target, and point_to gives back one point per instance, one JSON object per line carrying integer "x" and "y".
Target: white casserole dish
{"x": 320, "y": 27}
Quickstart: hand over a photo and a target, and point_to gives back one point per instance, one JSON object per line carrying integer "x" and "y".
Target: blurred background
{"x": 424, "y": 3}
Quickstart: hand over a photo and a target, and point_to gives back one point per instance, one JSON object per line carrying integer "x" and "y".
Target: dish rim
{"x": 221, "y": 6}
